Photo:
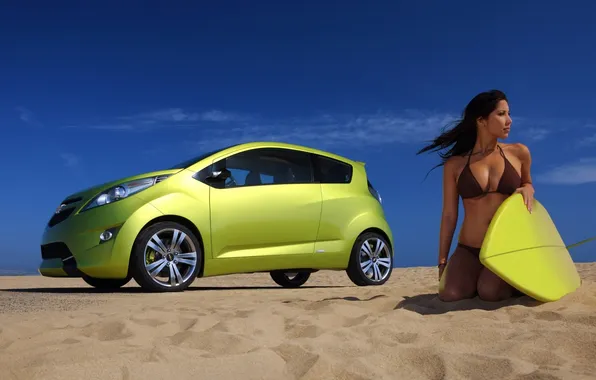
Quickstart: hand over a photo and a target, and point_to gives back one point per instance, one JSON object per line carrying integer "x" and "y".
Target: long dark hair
{"x": 463, "y": 134}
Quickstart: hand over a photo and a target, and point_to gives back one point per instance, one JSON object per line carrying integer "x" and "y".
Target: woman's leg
{"x": 492, "y": 288}
{"x": 460, "y": 277}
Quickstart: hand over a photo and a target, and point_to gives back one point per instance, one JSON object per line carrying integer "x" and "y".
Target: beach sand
{"x": 246, "y": 327}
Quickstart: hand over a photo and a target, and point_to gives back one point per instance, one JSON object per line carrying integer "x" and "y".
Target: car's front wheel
{"x": 106, "y": 283}
{"x": 371, "y": 261}
{"x": 289, "y": 279}
{"x": 166, "y": 257}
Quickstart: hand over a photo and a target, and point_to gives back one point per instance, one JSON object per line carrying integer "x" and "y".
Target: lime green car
{"x": 257, "y": 207}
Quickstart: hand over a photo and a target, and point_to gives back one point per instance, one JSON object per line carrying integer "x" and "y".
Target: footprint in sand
{"x": 548, "y": 316}
{"x": 302, "y": 330}
{"x": 405, "y": 337}
{"x": 214, "y": 340}
{"x": 517, "y": 315}
{"x": 108, "y": 331}
{"x": 151, "y": 322}
{"x": 242, "y": 313}
{"x": 298, "y": 360}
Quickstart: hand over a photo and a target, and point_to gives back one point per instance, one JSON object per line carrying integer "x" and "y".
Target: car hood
{"x": 94, "y": 190}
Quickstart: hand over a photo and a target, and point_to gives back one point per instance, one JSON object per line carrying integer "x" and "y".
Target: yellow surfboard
{"x": 528, "y": 253}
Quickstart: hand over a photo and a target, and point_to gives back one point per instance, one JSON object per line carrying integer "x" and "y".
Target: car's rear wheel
{"x": 371, "y": 261}
{"x": 106, "y": 283}
{"x": 166, "y": 257}
{"x": 289, "y": 279}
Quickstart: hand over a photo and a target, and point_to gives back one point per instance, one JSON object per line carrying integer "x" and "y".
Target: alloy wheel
{"x": 374, "y": 259}
{"x": 170, "y": 257}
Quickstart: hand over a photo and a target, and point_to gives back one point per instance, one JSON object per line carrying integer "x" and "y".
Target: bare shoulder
{"x": 454, "y": 164}
{"x": 519, "y": 150}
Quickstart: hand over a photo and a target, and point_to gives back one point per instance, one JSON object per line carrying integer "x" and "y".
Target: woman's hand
{"x": 527, "y": 191}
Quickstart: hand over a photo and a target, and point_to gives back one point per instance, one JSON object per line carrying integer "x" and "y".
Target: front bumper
{"x": 73, "y": 247}
{"x": 58, "y": 260}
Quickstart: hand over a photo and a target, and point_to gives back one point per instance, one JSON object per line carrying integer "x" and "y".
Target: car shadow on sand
{"x": 429, "y": 304}
{"x": 125, "y": 290}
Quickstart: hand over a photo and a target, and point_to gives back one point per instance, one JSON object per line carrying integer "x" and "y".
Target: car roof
{"x": 278, "y": 144}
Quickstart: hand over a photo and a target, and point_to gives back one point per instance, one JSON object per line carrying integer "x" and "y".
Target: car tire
{"x": 281, "y": 278}
{"x": 166, "y": 257}
{"x": 106, "y": 283}
{"x": 369, "y": 265}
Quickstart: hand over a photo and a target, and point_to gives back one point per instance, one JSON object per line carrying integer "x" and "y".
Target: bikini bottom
{"x": 473, "y": 250}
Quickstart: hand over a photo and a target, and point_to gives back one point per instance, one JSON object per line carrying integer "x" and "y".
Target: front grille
{"x": 60, "y": 217}
{"x": 56, "y": 250}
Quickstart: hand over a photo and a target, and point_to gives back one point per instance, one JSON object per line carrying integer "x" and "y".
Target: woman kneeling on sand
{"x": 483, "y": 172}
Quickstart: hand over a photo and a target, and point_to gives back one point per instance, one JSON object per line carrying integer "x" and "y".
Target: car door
{"x": 269, "y": 206}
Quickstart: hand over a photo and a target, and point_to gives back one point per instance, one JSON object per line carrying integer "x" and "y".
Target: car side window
{"x": 332, "y": 171}
{"x": 266, "y": 166}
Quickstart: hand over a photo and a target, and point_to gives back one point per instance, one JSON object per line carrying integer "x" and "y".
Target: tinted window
{"x": 268, "y": 166}
{"x": 333, "y": 171}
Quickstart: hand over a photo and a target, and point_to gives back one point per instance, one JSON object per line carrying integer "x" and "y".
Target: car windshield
{"x": 189, "y": 162}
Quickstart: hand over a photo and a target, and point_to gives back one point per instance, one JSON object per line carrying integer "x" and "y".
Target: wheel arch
{"x": 369, "y": 221}
{"x": 176, "y": 219}
{"x": 381, "y": 232}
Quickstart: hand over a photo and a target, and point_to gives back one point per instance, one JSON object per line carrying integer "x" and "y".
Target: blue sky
{"x": 98, "y": 92}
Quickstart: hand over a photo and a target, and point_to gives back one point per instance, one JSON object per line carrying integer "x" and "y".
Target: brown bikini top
{"x": 468, "y": 186}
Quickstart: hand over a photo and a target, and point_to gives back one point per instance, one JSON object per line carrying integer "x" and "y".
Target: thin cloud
{"x": 177, "y": 115}
{"x": 70, "y": 160}
{"x": 107, "y": 127}
{"x": 219, "y": 116}
{"x": 367, "y": 129}
{"x": 165, "y": 118}
{"x": 28, "y": 117}
{"x": 581, "y": 172}
{"x": 364, "y": 130}
{"x": 536, "y": 134}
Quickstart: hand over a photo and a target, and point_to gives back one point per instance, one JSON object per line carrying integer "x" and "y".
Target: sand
{"x": 246, "y": 327}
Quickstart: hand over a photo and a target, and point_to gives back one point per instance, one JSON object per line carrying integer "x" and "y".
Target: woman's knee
{"x": 452, "y": 294}
{"x": 493, "y": 290}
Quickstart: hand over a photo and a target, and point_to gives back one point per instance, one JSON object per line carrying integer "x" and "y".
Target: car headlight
{"x": 120, "y": 191}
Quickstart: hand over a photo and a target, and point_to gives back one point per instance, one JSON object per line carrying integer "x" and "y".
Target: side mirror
{"x": 221, "y": 174}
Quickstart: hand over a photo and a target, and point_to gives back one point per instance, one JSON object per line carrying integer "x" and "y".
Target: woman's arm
{"x": 526, "y": 163}
{"x": 526, "y": 188}
{"x": 450, "y": 210}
